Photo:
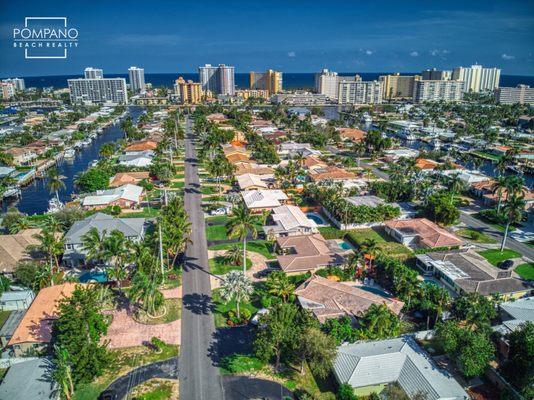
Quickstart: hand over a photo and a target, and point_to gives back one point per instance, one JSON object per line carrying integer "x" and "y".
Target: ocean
{"x": 291, "y": 80}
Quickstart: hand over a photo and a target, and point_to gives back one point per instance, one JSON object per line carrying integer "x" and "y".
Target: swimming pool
{"x": 89, "y": 276}
{"x": 316, "y": 218}
{"x": 344, "y": 246}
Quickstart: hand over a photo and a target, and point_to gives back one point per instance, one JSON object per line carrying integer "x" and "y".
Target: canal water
{"x": 34, "y": 198}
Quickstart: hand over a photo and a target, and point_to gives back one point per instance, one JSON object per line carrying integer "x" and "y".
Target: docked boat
{"x": 435, "y": 143}
{"x": 54, "y": 205}
{"x": 406, "y": 134}
{"x": 86, "y": 142}
{"x": 70, "y": 153}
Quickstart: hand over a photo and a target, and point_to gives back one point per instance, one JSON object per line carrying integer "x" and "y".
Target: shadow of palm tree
{"x": 200, "y": 304}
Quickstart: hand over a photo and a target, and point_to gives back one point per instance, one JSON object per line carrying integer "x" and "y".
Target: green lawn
{"x": 3, "y": 317}
{"x": 221, "y": 308}
{"x": 216, "y": 232}
{"x": 526, "y": 271}
{"x": 475, "y": 235}
{"x": 213, "y": 199}
{"x": 258, "y": 246}
{"x": 241, "y": 363}
{"x": 219, "y": 266}
{"x": 146, "y": 213}
{"x": 177, "y": 185}
{"x": 219, "y": 220}
{"x": 495, "y": 256}
{"x": 488, "y": 156}
{"x": 386, "y": 244}
{"x": 179, "y": 176}
{"x": 154, "y": 390}
{"x": 331, "y": 232}
{"x": 209, "y": 190}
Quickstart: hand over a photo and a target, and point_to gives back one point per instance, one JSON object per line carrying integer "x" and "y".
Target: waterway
{"x": 34, "y": 198}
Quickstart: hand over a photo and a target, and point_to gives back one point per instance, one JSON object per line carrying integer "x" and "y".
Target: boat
{"x": 86, "y": 142}
{"x": 11, "y": 192}
{"x": 78, "y": 145}
{"x": 54, "y": 205}
{"x": 70, "y": 153}
{"x": 435, "y": 143}
{"x": 406, "y": 134}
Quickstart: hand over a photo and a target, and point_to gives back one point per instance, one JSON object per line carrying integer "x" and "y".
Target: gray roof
{"x": 11, "y": 323}
{"x": 28, "y": 380}
{"x": 130, "y": 227}
{"x": 398, "y": 360}
{"x": 522, "y": 309}
{"x": 369, "y": 201}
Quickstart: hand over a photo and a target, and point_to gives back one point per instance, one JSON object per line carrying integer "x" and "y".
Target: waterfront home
{"x": 369, "y": 366}
{"x": 29, "y": 379}
{"x": 305, "y": 253}
{"x": 466, "y": 176}
{"x": 6, "y": 172}
{"x": 126, "y": 196}
{"x": 34, "y": 332}
{"x": 74, "y": 255}
{"x": 293, "y": 149}
{"x": 396, "y": 154}
{"x": 259, "y": 200}
{"x": 141, "y": 147}
{"x": 140, "y": 160}
{"x": 331, "y": 173}
{"x": 465, "y": 271}
{"x": 21, "y": 155}
{"x": 288, "y": 220}
{"x": 255, "y": 182}
{"x": 16, "y": 300}
{"x": 230, "y": 149}
{"x": 123, "y": 178}
{"x": 421, "y": 233}
{"x": 17, "y": 248}
{"x": 329, "y": 299}
{"x": 426, "y": 165}
{"x": 253, "y": 169}
{"x": 485, "y": 190}
{"x": 352, "y": 135}
{"x": 313, "y": 162}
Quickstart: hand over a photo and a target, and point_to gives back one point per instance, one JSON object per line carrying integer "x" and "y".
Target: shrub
{"x": 346, "y": 392}
{"x": 266, "y": 301}
{"x": 239, "y": 363}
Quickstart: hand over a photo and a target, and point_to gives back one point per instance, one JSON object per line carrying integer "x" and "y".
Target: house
{"x": 139, "y": 160}
{"x": 17, "y": 248}
{"x": 239, "y": 159}
{"x": 396, "y": 154}
{"x": 123, "y": 178}
{"x": 425, "y": 164}
{"x": 255, "y": 182}
{"x": 350, "y": 134}
{"x": 126, "y": 196}
{"x": 9, "y": 326}
{"x": 258, "y": 200}
{"x": 293, "y": 149}
{"x": 466, "y": 176}
{"x": 74, "y": 255}
{"x": 141, "y": 146}
{"x": 6, "y": 172}
{"x": 253, "y": 169}
{"x": 466, "y": 271}
{"x": 421, "y": 233}
{"x": 29, "y": 379}
{"x": 330, "y": 173}
{"x": 406, "y": 210}
{"x": 304, "y": 253}
{"x": 216, "y": 117}
{"x": 21, "y": 155}
{"x": 369, "y": 366}
{"x": 514, "y": 314}
{"x": 289, "y": 220}
{"x": 328, "y": 299}
{"x": 16, "y": 300}
{"x": 34, "y": 332}
{"x": 229, "y": 149}
{"x": 313, "y": 162}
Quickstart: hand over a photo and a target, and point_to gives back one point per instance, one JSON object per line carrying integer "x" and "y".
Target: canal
{"x": 34, "y": 197}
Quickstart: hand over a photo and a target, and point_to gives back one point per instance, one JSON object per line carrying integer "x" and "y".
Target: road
{"x": 199, "y": 377}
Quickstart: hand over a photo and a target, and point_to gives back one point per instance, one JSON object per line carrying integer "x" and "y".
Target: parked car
{"x": 219, "y": 211}
{"x": 506, "y": 264}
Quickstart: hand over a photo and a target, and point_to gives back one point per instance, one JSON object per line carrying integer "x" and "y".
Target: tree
{"x": 163, "y": 171}
{"x": 94, "y": 179}
{"x": 234, "y": 255}
{"x": 175, "y": 228}
{"x": 6, "y": 158}
{"x": 346, "y": 392}
{"x": 340, "y": 329}
{"x": 440, "y": 209}
{"x": 476, "y": 310}
{"x": 498, "y": 187}
{"x": 370, "y": 247}
{"x": 145, "y": 290}
{"x": 519, "y": 368}
{"x": 379, "y": 322}
{"x": 94, "y": 244}
{"x": 279, "y": 285}
{"x": 513, "y": 208}
{"x": 51, "y": 245}
{"x": 319, "y": 350}
{"x": 241, "y": 225}
{"x": 78, "y": 330}
{"x": 107, "y": 150}
{"x": 62, "y": 373}
{"x": 434, "y": 299}
{"x": 236, "y": 286}
{"x": 115, "y": 249}
{"x": 26, "y": 273}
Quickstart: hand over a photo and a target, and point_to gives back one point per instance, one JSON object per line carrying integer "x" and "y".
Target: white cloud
{"x": 368, "y": 52}
{"x": 291, "y": 54}
{"x": 507, "y": 57}
{"x": 437, "y": 52}
{"x": 414, "y": 54}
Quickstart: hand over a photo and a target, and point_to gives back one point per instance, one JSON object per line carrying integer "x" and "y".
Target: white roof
{"x": 247, "y": 180}
{"x": 398, "y": 360}
{"x": 263, "y": 198}
{"x": 290, "y": 217}
{"x": 127, "y": 192}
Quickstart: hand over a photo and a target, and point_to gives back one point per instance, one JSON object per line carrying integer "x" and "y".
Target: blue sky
{"x": 292, "y": 36}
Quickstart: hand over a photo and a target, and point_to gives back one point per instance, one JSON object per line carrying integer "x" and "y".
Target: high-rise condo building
{"x": 359, "y": 92}
{"x": 522, "y": 94}
{"x": 269, "y": 80}
{"x": 99, "y": 90}
{"x": 93, "y": 73}
{"x": 436, "y": 75}
{"x": 188, "y": 92}
{"x": 398, "y": 86}
{"x": 218, "y": 80}
{"x": 7, "y": 90}
{"x": 17, "y": 82}
{"x": 477, "y": 79}
{"x": 137, "y": 79}
{"x": 425, "y": 90}
{"x": 326, "y": 82}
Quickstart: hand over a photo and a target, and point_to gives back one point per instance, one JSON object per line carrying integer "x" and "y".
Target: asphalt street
{"x": 199, "y": 376}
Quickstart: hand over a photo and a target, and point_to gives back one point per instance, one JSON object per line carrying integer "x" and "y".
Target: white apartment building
{"x": 522, "y": 94}
{"x": 17, "y": 82}
{"x": 359, "y": 92}
{"x": 326, "y": 82}
{"x": 477, "y": 79}
{"x": 99, "y": 90}
{"x": 218, "y": 80}
{"x": 93, "y": 73}
{"x": 7, "y": 90}
{"x": 137, "y": 79}
{"x": 437, "y": 91}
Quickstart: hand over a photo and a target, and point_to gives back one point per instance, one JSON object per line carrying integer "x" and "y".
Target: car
{"x": 263, "y": 273}
{"x": 506, "y": 264}
{"x": 256, "y": 318}
{"x": 108, "y": 395}
{"x": 219, "y": 211}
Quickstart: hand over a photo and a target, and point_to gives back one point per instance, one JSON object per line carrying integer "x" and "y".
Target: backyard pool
{"x": 93, "y": 276}
{"x": 344, "y": 245}
{"x": 316, "y": 218}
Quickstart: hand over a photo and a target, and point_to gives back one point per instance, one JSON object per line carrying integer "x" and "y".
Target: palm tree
{"x": 236, "y": 286}
{"x": 499, "y": 185}
{"x": 514, "y": 185}
{"x": 145, "y": 290}
{"x": 94, "y": 244}
{"x": 279, "y": 285}
{"x": 50, "y": 245}
{"x": 513, "y": 208}
{"x": 371, "y": 248}
{"x": 455, "y": 185}
{"x": 359, "y": 149}
{"x": 233, "y": 255}
{"x": 62, "y": 372}
{"x": 380, "y": 323}
{"x": 241, "y": 225}
{"x": 55, "y": 182}
{"x": 116, "y": 250}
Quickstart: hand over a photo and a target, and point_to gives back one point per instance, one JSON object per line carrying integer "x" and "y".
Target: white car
{"x": 256, "y": 318}
{"x": 219, "y": 211}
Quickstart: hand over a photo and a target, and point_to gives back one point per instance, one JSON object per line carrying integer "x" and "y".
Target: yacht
{"x": 70, "y": 153}
{"x": 86, "y": 142}
{"x": 54, "y": 205}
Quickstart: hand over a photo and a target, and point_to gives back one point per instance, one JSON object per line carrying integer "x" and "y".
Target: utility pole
{"x": 160, "y": 251}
